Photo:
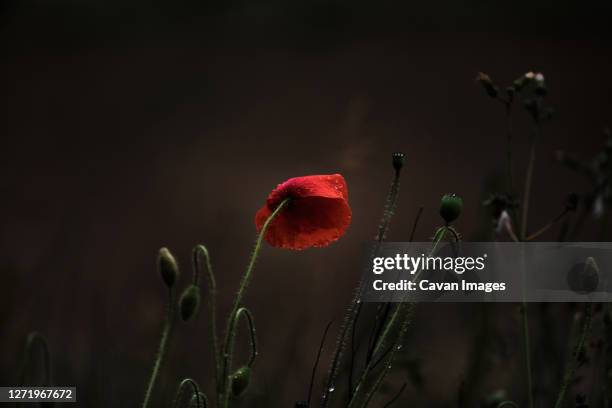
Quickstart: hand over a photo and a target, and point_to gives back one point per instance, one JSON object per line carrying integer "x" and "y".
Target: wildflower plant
{"x": 314, "y": 211}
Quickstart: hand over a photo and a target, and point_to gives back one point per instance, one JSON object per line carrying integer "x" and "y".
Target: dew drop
{"x": 332, "y": 389}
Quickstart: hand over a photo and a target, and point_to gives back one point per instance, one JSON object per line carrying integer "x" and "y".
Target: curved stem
{"x": 33, "y": 339}
{"x": 231, "y": 323}
{"x": 252, "y": 335}
{"x": 162, "y": 348}
{"x": 200, "y": 399}
{"x": 198, "y": 252}
{"x": 571, "y": 369}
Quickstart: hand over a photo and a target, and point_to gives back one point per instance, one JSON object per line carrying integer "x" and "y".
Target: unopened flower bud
{"x": 398, "y": 161}
{"x": 583, "y": 277}
{"x": 189, "y": 302}
{"x": 168, "y": 268}
{"x": 240, "y": 380}
{"x": 487, "y": 84}
{"x": 540, "y": 84}
{"x": 450, "y": 207}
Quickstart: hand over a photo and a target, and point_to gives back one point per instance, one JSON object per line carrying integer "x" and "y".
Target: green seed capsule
{"x": 240, "y": 380}
{"x": 450, "y": 207}
{"x": 398, "y": 161}
{"x": 168, "y": 268}
{"x": 189, "y": 302}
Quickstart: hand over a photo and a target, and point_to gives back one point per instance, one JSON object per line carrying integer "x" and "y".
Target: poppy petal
{"x": 317, "y": 214}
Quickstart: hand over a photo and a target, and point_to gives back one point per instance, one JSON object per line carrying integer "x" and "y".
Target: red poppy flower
{"x": 317, "y": 214}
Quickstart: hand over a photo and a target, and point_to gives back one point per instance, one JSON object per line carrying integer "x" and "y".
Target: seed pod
{"x": 240, "y": 380}
{"x": 450, "y": 207}
{"x": 189, "y": 302}
{"x": 540, "y": 84}
{"x": 168, "y": 268}
{"x": 398, "y": 161}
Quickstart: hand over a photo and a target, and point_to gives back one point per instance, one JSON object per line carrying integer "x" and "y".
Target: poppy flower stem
{"x": 198, "y": 397}
{"x": 383, "y": 309}
{"x": 571, "y": 369}
{"x": 230, "y": 332}
{"x": 162, "y": 347}
{"x": 508, "y": 109}
{"x": 402, "y": 314}
{"x": 243, "y": 311}
{"x": 524, "y": 219}
{"x": 199, "y": 252}
{"x": 529, "y": 180}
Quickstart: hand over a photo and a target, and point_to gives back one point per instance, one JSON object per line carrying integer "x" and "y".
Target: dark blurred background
{"x": 127, "y": 126}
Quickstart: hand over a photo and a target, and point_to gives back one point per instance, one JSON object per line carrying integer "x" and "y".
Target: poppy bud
{"x": 540, "y": 84}
{"x": 168, "y": 268}
{"x": 583, "y": 278}
{"x": 398, "y": 161}
{"x": 240, "y": 380}
{"x": 487, "y": 84}
{"x": 189, "y": 302}
{"x": 450, "y": 207}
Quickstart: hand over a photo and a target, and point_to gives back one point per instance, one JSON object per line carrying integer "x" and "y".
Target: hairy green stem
{"x": 243, "y": 311}
{"x": 162, "y": 348}
{"x": 397, "y": 313}
{"x": 508, "y": 106}
{"x": 527, "y": 347}
{"x": 201, "y": 250}
{"x": 528, "y": 182}
{"x": 409, "y": 310}
{"x": 200, "y": 399}
{"x": 230, "y": 332}
{"x": 524, "y": 219}
{"x": 571, "y": 369}
{"x": 350, "y": 321}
